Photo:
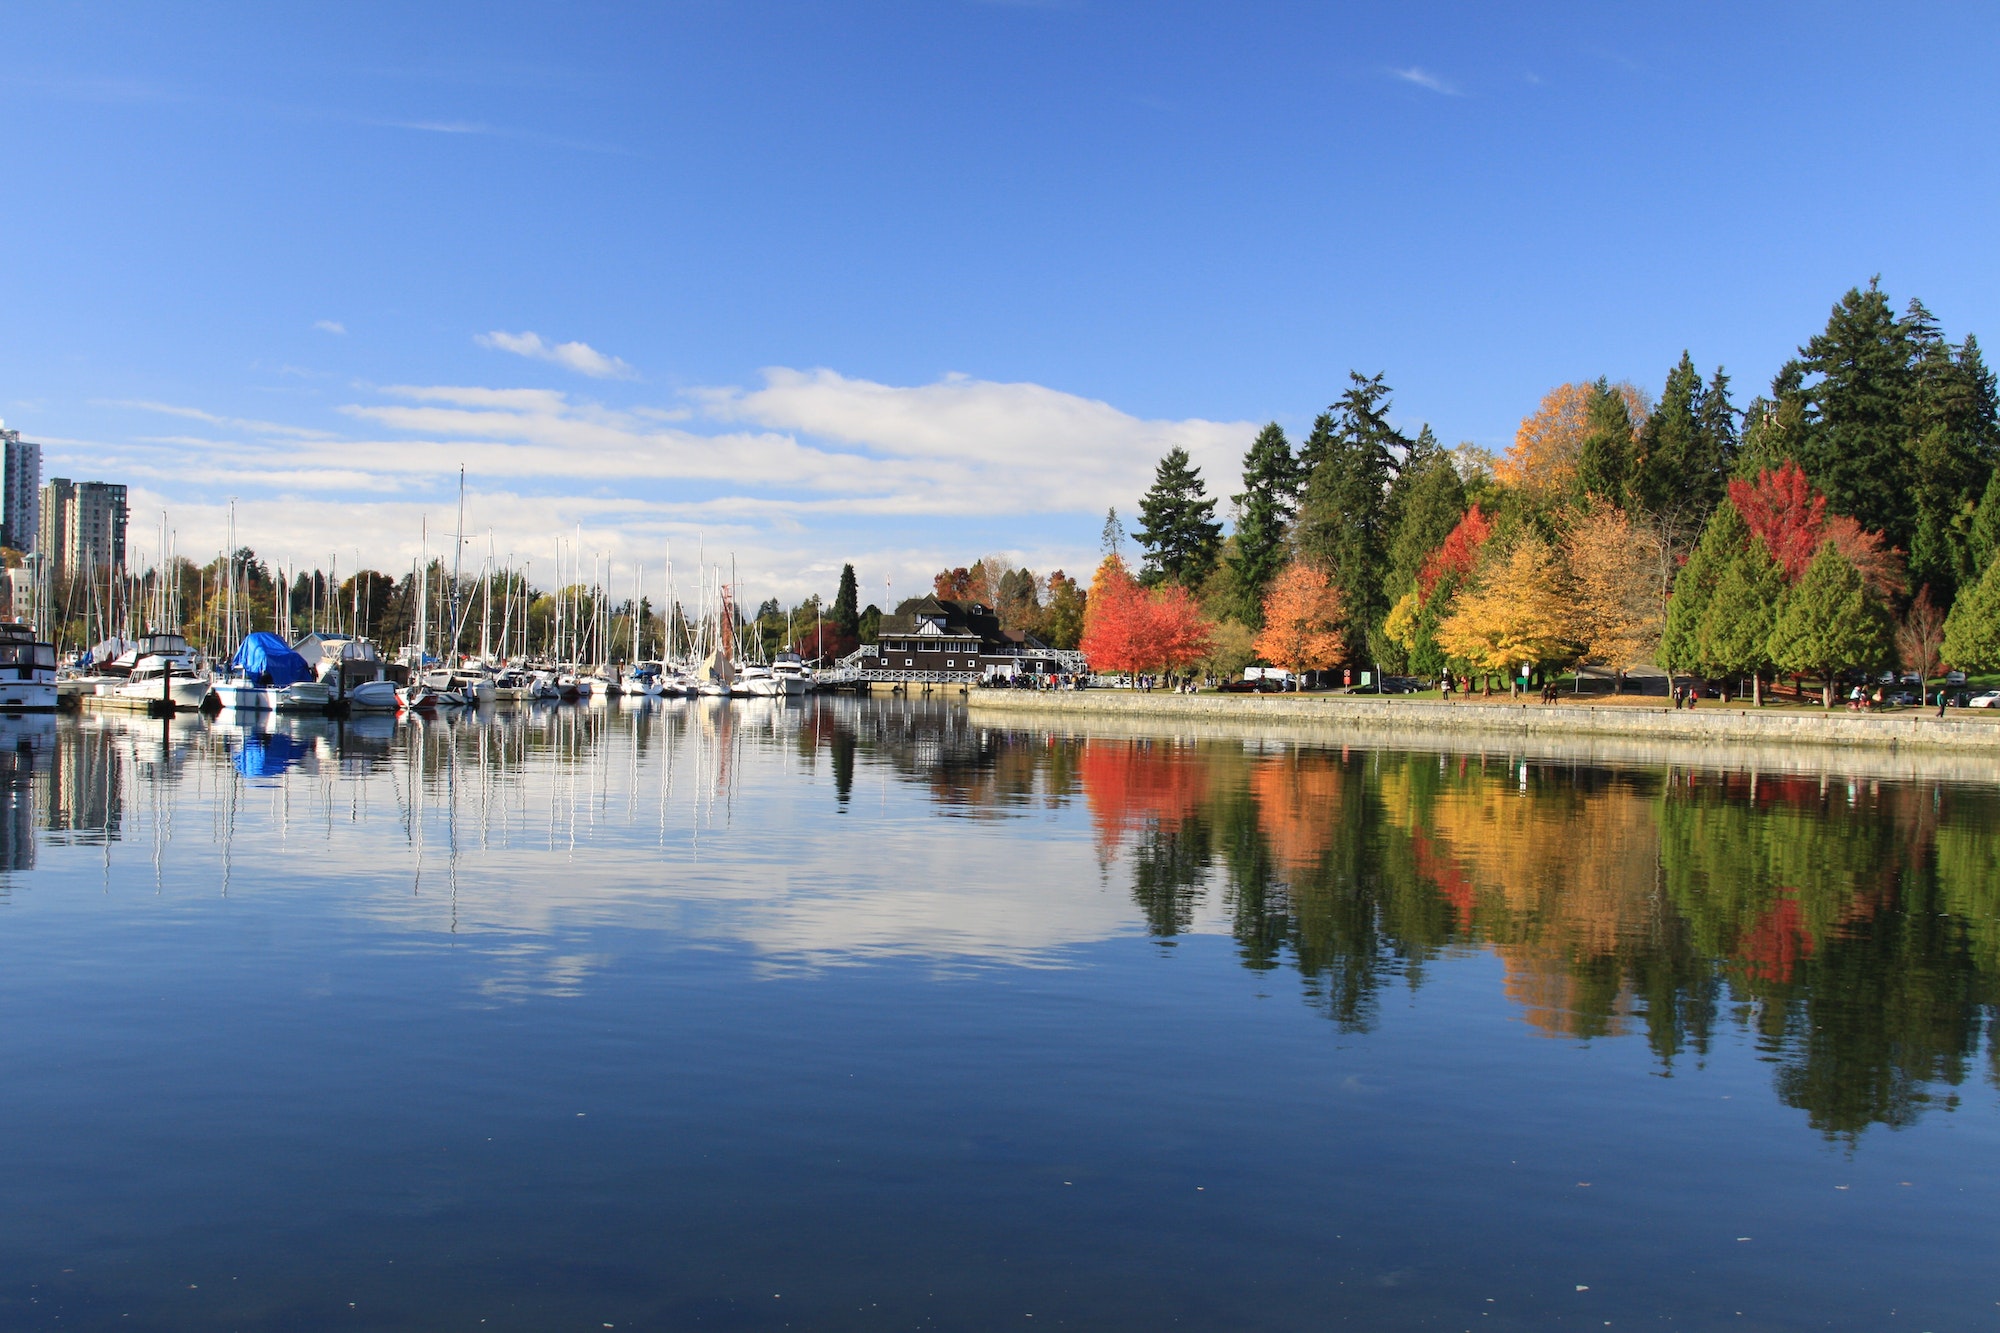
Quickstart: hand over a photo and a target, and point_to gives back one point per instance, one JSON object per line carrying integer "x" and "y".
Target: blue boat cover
{"x": 266, "y": 756}
{"x": 268, "y": 660}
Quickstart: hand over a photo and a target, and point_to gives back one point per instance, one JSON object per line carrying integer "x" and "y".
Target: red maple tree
{"x": 1457, "y": 554}
{"x": 1127, "y": 628}
{"x": 1783, "y": 510}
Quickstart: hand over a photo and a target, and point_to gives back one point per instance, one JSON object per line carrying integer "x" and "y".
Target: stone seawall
{"x": 1476, "y": 725}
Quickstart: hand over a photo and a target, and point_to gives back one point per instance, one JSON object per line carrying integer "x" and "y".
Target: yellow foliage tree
{"x": 1303, "y": 619}
{"x": 1520, "y": 608}
{"x": 1401, "y": 626}
{"x": 1614, "y": 570}
{"x": 1542, "y": 460}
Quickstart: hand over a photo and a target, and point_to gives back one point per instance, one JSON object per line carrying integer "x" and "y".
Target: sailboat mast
{"x": 457, "y": 553}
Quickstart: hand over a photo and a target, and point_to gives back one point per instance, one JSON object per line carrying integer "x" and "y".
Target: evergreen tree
{"x": 1955, "y": 438}
{"x": 1687, "y": 448}
{"x": 1113, "y": 536}
{"x": 870, "y": 630}
{"x": 1857, "y": 446}
{"x": 846, "y": 603}
{"x": 1344, "y": 520}
{"x": 1720, "y": 438}
{"x": 1735, "y": 634}
{"x": 1831, "y": 621}
{"x": 1722, "y": 541}
{"x": 1604, "y": 457}
{"x": 1983, "y": 540}
{"x": 1263, "y": 517}
{"x": 1177, "y": 524}
{"x": 1431, "y": 502}
{"x": 1774, "y": 428}
{"x": 1972, "y": 630}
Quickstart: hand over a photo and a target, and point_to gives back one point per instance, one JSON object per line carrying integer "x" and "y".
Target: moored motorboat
{"x": 27, "y": 671}
{"x": 789, "y": 670}
{"x": 266, "y": 675}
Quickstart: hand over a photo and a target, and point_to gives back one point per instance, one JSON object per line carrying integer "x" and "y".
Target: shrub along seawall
{"x": 1370, "y": 714}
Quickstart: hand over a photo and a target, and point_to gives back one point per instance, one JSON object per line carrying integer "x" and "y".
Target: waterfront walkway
{"x": 1959, "y": 731}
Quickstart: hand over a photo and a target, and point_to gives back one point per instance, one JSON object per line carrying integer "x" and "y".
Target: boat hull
{"x": 374, "y": 696}
{"x": 188, "y": 693}
{"x": 28, "y": 696}
{"x": 307, "y": 696}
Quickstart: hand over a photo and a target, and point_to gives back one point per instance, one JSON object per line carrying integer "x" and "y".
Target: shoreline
{"x": 1461, "y": 725}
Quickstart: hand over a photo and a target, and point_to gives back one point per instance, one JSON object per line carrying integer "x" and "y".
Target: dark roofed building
{"x": 938, "y": 638}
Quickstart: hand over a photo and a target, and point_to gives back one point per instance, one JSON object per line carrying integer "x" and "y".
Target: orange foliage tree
{"x": 1542, "y": 460}
{"x": 1303, "y": 620}
{"x": 1129, "y": 628}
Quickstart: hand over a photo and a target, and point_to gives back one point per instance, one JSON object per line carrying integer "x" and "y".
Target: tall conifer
{"x": 1721, "y": 542}
{"x": 846, "y": 603}
{"x": 1343, "y": 521}
{"x": 1972, "y": 630}
{"x": 1264, "y": 512}
{"x": 1857, "y": 446}
{"x": 1177, "y": 524}
{"x": 1831, "y": 622}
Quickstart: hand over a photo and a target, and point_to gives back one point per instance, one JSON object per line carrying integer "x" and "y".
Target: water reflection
{"x": 1849, "y": 927}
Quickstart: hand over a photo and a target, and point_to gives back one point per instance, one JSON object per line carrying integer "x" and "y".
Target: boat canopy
{"x": 110, "y": 650}
{"x": 266, "y": 659}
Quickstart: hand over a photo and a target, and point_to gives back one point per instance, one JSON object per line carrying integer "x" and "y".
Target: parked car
{"x": 1954, "y": 678}
{"x": 1913, "y": 678}
{"x": 1903, "y": 697}
{"x": 1986, "y": 700}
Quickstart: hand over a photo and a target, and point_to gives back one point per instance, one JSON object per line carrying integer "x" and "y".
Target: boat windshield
{"x": 27, "y": 654}
{"x": 162, "y": 643}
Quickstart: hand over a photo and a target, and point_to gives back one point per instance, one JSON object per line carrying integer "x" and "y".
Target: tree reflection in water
{"x": 1851, "y": 927}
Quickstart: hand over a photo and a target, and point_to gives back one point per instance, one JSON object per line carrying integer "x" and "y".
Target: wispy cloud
{"x": 479, "y": 129}
{"x": 239, "y": 423}
{"x": 330, "y": 326}
{"x": 578, "y": 356}
{"x": 1423, "y": 78}
{"x": 439, "y": 126}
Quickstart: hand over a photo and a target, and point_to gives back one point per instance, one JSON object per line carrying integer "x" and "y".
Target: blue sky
{"x": 906, "y": 284}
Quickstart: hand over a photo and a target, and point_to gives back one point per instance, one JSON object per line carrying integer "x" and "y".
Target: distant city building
{"x": 82, "y": 526}
{"x": 20, "y": 489}
{"x": 20, "y": 589}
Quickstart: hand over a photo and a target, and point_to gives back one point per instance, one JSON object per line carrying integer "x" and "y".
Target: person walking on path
{"x": 1940, "y": 701}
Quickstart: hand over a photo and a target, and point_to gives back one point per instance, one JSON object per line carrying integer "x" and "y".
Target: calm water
{"x": 873, "y": 1016}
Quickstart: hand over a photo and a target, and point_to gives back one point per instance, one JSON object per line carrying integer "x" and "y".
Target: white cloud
{"x": 988, "y": 444}
{"x": 792, "y": 474}
{"x": 577, "y": 356}
{"x": 1423, "y": 78}
{"x": 330, "y": 326}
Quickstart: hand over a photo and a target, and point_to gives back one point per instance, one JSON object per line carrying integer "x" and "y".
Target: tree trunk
{"x": 1756, "y": 689}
